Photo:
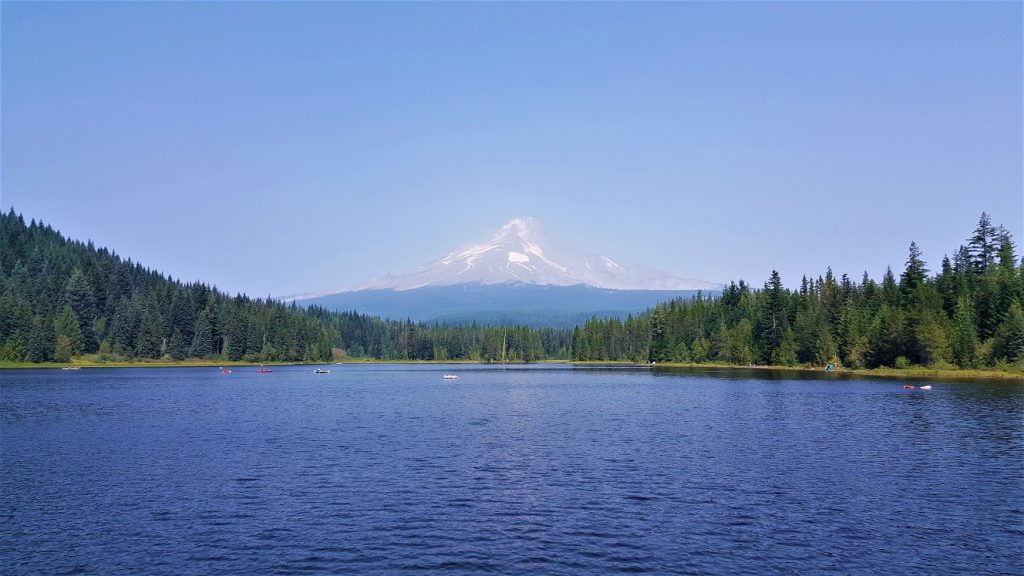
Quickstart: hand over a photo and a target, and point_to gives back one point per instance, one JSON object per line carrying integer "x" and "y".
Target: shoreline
{"x": 915, "y": 372}
{"x": 204, "y": 363}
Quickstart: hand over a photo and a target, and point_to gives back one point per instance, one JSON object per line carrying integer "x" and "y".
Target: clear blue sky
{"x": 277, "y": 148}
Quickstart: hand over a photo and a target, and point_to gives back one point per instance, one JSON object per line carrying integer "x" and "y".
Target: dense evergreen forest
{"x": 61, "y": 298}
{"x": 967, "y": 314}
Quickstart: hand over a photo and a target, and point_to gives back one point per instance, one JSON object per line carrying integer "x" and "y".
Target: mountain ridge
{"x": 532, "y": 305}
{"x": 522, "y": 251}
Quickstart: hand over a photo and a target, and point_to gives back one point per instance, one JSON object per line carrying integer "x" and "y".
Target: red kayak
{"x": 908, "y": 387}
{"x": 263, "y": 370}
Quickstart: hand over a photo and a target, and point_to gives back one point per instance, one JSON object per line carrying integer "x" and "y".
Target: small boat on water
{"x": 908, "y": 387}
{"x": 225, "y": 371}
{"x": 71, "y": 368}
{"x": 263, "y": 370}
{"x": 925, "y": 387}
{"x": 451, "y": 376}
{"x": 321, "y": 371}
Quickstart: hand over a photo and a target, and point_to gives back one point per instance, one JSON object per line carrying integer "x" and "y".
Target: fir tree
{"x": 41, "y": 341}
{"x": 932, "y": 339}
{"x": 79, "y": 296}
{"x": 965, "y": 335}
{"x": 700, "y": 350}
{"x": 1012, "y": 334}
{"x": 948, "y": 285}
{"x": 886, "y": 337}
{"x": 660, "y": 350}
{"x": 914, "y": 275}
{"x": 13, "y": 348}
{"x": 202, "y": 341}
{"x": 982, "y": 245}
{"x": 773, "y": 322}
{"x": 149, "y": 342}
{"x": 124, "y": 328}
{"x": 68, "y": 331}
{"x": 890, "y": 290}
{"x": 181, "y": 319}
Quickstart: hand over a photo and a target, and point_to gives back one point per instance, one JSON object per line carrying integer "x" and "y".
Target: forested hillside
{"x": 61, "y": 298}
{"x": 967, "y": 314}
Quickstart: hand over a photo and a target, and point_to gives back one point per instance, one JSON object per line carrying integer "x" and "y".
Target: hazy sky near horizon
{"x": 279, "y": 148}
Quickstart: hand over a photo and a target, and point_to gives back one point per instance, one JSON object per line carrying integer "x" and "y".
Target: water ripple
{"x": 539, "y": 471}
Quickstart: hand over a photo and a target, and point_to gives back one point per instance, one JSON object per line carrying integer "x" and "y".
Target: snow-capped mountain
{"x": 522, "y": 252}
{"x": 520, "y": 275}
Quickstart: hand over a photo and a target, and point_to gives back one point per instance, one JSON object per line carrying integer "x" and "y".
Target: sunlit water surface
{"x": 536, "y": 470}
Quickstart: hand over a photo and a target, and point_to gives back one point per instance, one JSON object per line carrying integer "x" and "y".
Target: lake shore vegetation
{"x": 967, "y": 315}
{"x": 62, "y": 299}
{"x": 65, "y": 302}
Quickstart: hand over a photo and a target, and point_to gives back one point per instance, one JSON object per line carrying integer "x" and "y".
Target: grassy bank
{"x": 913, "y": 372}
{"x": 95, "y": 362}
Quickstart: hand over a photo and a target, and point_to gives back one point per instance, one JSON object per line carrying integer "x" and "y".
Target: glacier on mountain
{"x": 521, "y": 251}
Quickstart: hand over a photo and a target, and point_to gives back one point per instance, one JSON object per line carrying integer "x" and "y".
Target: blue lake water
{"x": 535, "y": 470}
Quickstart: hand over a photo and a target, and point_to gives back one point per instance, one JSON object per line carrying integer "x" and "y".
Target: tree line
{"x": 967, "y": 314}
{"x": 61, "y": 298}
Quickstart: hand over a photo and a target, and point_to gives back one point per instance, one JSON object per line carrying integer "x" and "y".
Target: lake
{"x": 383, "y": 469}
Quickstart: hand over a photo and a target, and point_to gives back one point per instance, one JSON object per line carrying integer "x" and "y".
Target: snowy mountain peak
{"x": 526, "y": 229}
{"x": 521, "y": 226}
{"x": 522, "y": 251}
{"x": 519, "y": 243}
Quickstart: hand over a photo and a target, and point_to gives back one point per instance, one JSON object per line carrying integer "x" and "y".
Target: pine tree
{"x": 1003, "y": 286}
{"x": 79, "y": 296}
{"x": 826, "y": 350}
{"x": 890, "y": 290}
{"x": 41, "y": 340}
{"x": 180, "y": 324}
{"x": 234, "y": 340}
{"x": 965, "y": 335}
{"x": 914, "y": 275}
{"x": 700, "y": 350}
{"x": 740, "y": 343}
{"x": 785, "y": 353}
{"x": 850, "y": 329}
{"x": 13, "y": 348}
{"x": 885, "y": 337}
{"x": 1011, "y": 334}
{"x": 177, "y": 345}
{"x": 67, "y": 329}
{"x": 773, "y": 322}
{"x": 202, "y": 341}
{"x": 831, "y": 299}
{"x": 149, "y": 342}
{"x": 63, "y": 350}
{"x": 933, "y": 340}
{"x": 986, "y": 305}
{"x": 1006, "y": 253}
{"x": 124, "y": 328}
{"x": 982, "y": 245}
{"x": 948, "y": 286}
{"x": 659, "y": 350}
